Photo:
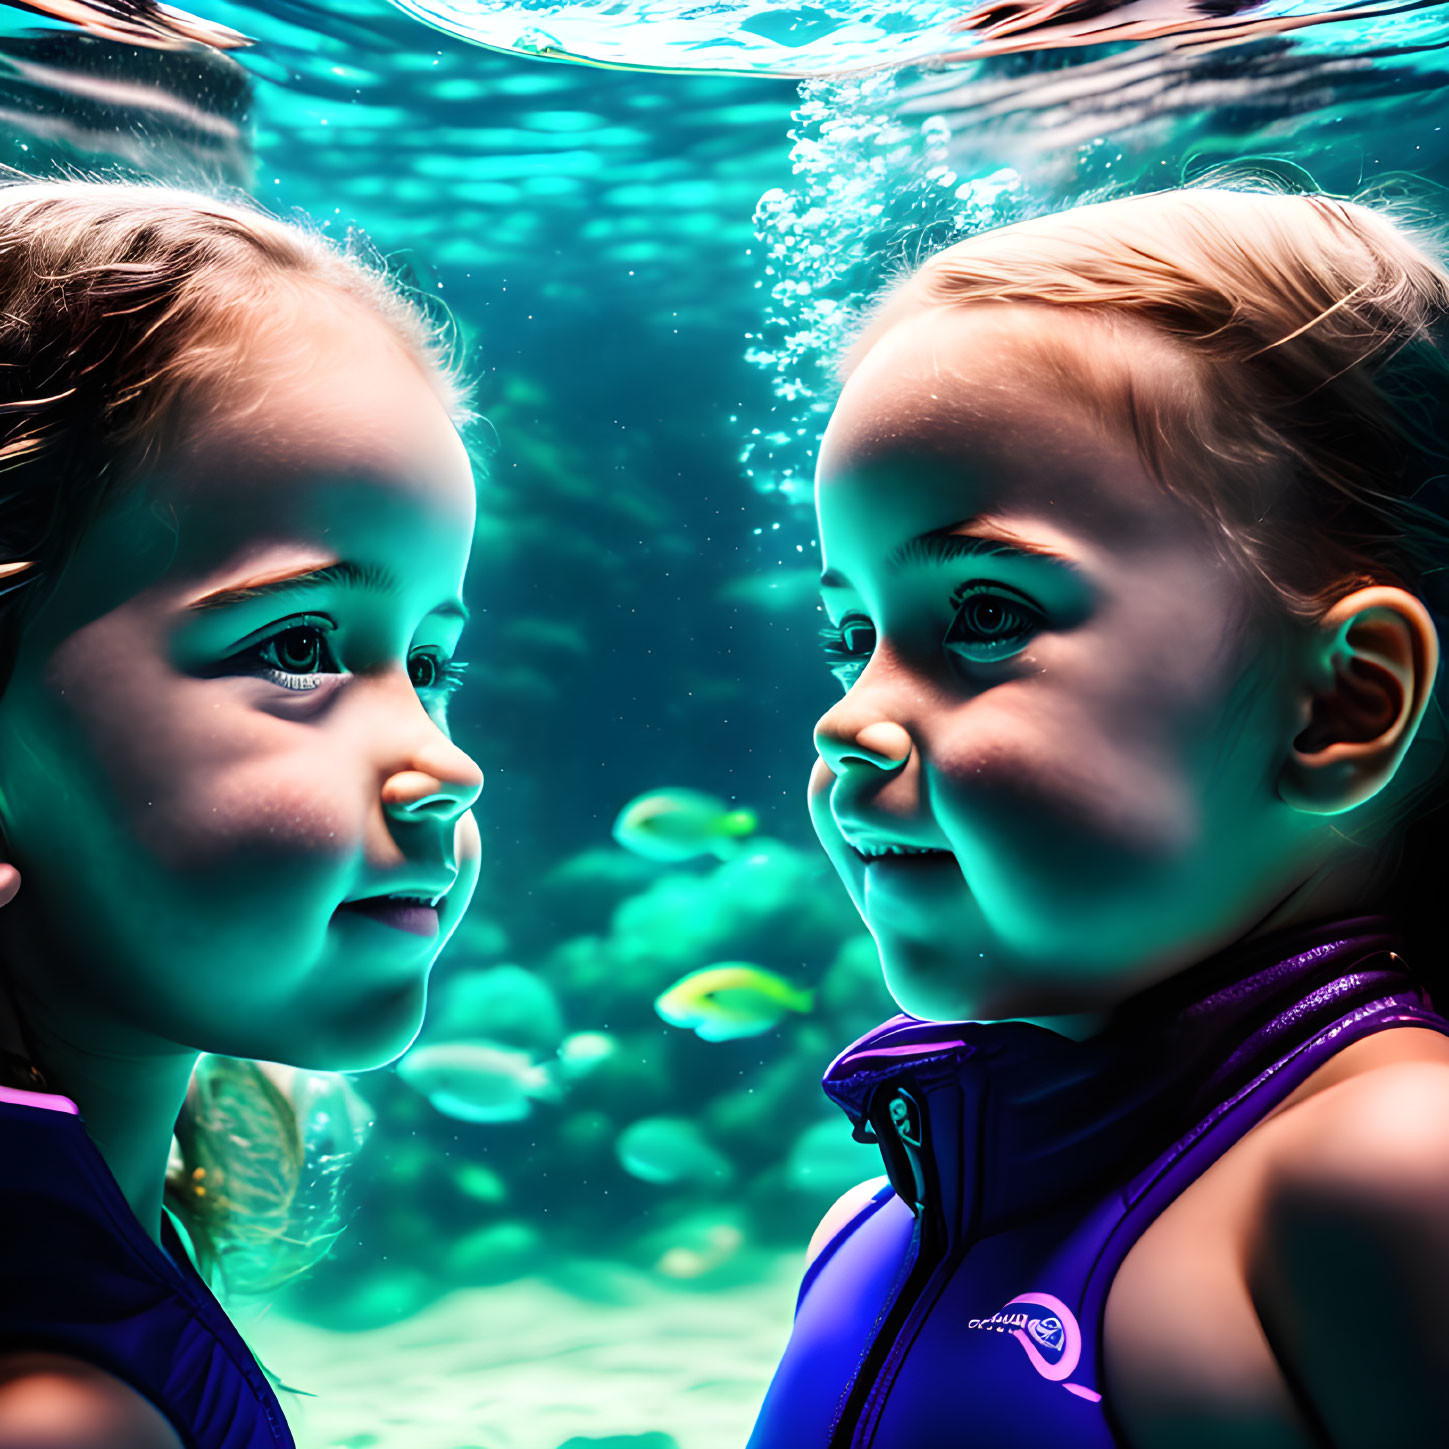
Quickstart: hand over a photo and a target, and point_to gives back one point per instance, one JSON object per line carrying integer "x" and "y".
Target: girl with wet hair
{"x": 1133, "y": 546}
{"x": 235, "y": 516}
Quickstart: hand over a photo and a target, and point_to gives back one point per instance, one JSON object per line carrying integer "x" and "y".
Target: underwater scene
{"x": 574, "y": 1212}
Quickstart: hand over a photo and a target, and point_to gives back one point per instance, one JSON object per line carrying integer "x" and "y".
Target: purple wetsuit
{"x": 963, "y": 1304}
{"x": 80, "y": 1276}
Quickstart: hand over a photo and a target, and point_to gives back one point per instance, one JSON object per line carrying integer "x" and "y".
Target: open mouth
{"x": 416, "y": 914}
{"x": 875, "y": 852}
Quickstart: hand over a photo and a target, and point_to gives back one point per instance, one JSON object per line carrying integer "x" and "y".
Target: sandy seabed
{"x": 533, "y": 1365}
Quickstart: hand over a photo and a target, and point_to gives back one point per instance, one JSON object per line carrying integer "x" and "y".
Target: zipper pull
{"x": 900, "y": 1128}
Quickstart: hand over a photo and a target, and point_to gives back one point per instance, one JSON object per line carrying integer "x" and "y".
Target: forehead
{"x": 327, "y": 442}
{"x": 1015, "y": 412}
{"x": 327, "y": 424}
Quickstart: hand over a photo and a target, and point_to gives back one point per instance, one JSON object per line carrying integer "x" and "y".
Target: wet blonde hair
{"x": 1308, "y": 421}
{"x": 119, "y": 301}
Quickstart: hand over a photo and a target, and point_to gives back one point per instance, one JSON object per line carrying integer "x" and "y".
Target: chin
{"x": 927, "y": 982}
{"x": 373, "y": 1034}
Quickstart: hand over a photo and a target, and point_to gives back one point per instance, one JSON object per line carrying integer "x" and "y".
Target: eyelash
{"x": 450, "y": 672}
{"x": 846, "y": 662}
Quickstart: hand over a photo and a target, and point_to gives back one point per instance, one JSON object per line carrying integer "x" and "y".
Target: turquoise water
{"x": 650, "y": 272}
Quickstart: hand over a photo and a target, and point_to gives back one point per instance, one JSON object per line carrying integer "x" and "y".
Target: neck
{"x": 129, "y": 1088}
{"x": 1348, "y": 886}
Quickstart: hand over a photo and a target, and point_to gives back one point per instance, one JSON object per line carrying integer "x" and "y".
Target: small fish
{"x": 477, "y": 1081}
{"x": 480, "y": 1183}
{"x": 731, "y": 999}
{"x": 670, "y": 1149}
{"x": 687, "y": 1262}
{"x": 680, "y": 824}
{"x": 580, "y": 1053}
{"x": 507, "y": 1004}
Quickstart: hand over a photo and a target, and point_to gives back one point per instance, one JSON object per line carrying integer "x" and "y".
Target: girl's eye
{"x": 437, "y": 677}
{"x": 441, "y": 676}
{"x": 848, "y": 646}
{"x": 989, "y": 624}
{"x": 297, "y": 657}
{"x": 300, "y": 656}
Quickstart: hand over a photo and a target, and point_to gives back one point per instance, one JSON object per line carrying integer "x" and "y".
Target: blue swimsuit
{"x": 964, "y": 1302}
{"x": 80, "y": 1276}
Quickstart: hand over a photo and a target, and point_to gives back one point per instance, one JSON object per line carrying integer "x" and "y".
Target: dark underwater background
{"x": 647, "y": 274}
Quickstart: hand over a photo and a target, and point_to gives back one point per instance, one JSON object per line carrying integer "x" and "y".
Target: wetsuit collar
{"x": 988, "y": 1121}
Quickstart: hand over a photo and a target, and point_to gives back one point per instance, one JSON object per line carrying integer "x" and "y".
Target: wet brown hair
{"x": 119, "y": 301}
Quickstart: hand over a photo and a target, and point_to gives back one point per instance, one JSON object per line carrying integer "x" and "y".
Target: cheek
{"x": 467, "y": 842}
{"x": 468, "y": 855}
{"x": 194, "y": 796}
{"x": 1062, "y": 822}
{"x": 196, "y": 799}
{"x": 818, "y": 800}
{"x": 286, "y": 807}
{"x": 214, "y": 899}
{"x": 1049, "y": 776}
{"x": 841, "y": 857}
{"x": 193, "y": 771}
{"x": 256, "y": 857}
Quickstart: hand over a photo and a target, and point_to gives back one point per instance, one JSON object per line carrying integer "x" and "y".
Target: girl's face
{"x": 230, "y": 719}
{"x": 1057, "y": 698}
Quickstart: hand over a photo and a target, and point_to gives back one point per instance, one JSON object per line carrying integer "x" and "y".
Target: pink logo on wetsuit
{"x": 1048, "y": 1330}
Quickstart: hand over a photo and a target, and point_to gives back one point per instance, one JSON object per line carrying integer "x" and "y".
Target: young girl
{"x": 1130, "y": 566}
{"x": 235, "y": 516}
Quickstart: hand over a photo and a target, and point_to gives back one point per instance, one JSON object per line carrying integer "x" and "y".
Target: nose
{"x": 844, "y": 741}
{"x": 439, "y": 782}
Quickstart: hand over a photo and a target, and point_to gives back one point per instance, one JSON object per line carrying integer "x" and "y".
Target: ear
{"x": 1367, "y": 675}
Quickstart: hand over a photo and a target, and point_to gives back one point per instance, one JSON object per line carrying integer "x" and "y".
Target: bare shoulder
{"x": 53, "y": 1401}
{"x": 1376, "y": 1133}
{"x": 1348, "y": 1259}
{"x": 847, "y": 1206}
{"x": 1356, "y": 1061}
{"x": 1264, "y": 1241}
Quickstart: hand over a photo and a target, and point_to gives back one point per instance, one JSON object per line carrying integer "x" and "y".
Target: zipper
{"x": 898, "y": 1124}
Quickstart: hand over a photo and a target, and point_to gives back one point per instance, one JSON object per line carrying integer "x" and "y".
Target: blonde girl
{"x": 1132, "y": 545}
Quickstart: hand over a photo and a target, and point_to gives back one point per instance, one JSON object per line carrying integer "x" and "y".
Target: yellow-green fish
{"x": 679, "y": 824}
{"x": 731, "y": 999}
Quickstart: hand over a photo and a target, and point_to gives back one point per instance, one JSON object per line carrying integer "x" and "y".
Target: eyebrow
{"x": 942, "y": 545}
{"x": 376, "y": 578}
